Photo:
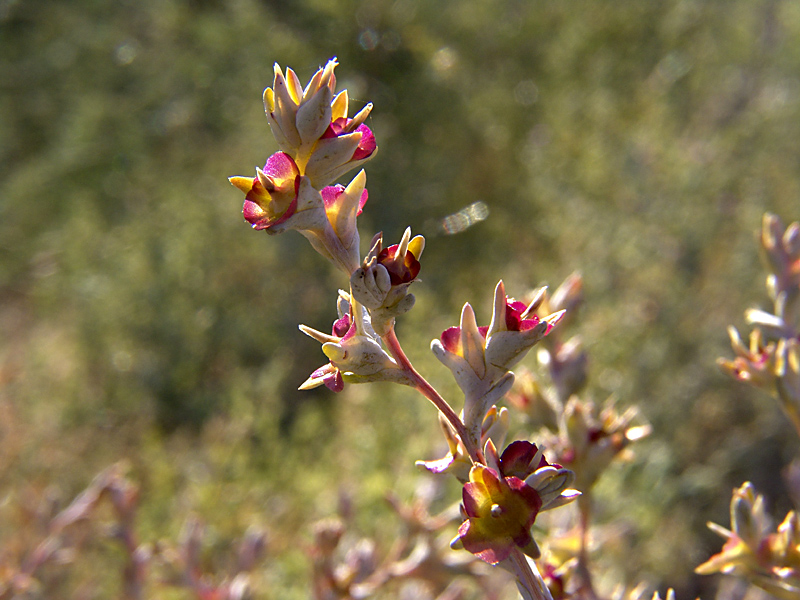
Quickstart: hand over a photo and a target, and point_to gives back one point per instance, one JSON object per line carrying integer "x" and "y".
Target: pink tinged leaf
{"x": 280, "y": 167}
{"x": 323, "y": 372}
{"x": 367, "y": 144}
{"x": 514, "y": 320}
{"x": 473, "y": 496}
{"x": 362, "y": 201}
{"x": 341, "y": 326}
{"x": 264, "y": 222}
{"x": 351, "y": 332}
{"x": 553, "y": 320}
{"x": 493, "y": 553}
{"x": 253, "y": 213}
{"x": 516, "y": 459}
{"x": 451, "y": 340}
{"x": 331, "y": 194}
{"x": 437, "y": 466}
{"x": 330, "y": 376}
{"x": 335, "y": 383}
{"x": 336, "y": 128}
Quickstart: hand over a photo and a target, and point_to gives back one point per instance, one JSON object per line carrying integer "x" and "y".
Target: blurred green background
{"x": 140, "y": 318}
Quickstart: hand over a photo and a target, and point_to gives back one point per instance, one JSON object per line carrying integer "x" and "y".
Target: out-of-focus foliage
{"x": 638, "y": 142}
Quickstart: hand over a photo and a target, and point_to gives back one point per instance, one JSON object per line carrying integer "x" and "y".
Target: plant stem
{"x": 528, "y": 577}
{"x": 427, "y": 390}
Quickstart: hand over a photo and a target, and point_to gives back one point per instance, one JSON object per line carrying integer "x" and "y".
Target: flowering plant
{"x": 502, "y": 494}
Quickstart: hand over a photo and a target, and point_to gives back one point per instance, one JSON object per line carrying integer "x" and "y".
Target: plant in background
{"x": 167, "y": 563}
{"x": 754, "y": 550}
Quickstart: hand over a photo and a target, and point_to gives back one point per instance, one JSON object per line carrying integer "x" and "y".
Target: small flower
{"x": 499, "y": 514}
{"x": 342, "y": 206}
{"x": 279, "y": 198}
{"x": 514, "y": 329}
{"x": 568, "y": 296}
{"x": 782, "y": 249}
{"x": 329, "y": 375}
{"x": 501, "y": 501}
{"x": 555, "y": 580}
{"x": 382, "y": 282}
{"x": 480, "y": 357}
{"x": 526, "y": 461}
{"x": 401, "y": 260}
{"x": 342, "y": 148}
{"x": 300, "y": 117}
{"x": 312, "y": 125}
{"x": 462, "y": 350}
{"x": 354, "y": 350}
{"x": 770, "y": 560}
{"x": 754, "y": 363}
{"x": 589, "y": 442}
{"x": 567, "y": 364}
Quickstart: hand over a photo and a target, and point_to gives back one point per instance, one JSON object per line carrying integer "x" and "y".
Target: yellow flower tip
{"x": 416, "y": 246}
{"x": 322, "y": 338}
{"x": 357, "y": 185}
{"x": 269, "y": 100}
{"x": 339, "y": 106}
{"x": 334, "y": 351}
{"x": 553, "y": 319}
{"x": 456, "y": 543}
{"x": 310, "y": 384}
{"x": 245, "y": 184}
{"x": 294, "y": 86}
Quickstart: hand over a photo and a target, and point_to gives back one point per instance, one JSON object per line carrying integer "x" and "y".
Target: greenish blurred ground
{"x": 638, "y": 142}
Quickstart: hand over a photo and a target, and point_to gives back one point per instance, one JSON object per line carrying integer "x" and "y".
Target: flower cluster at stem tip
{"x": 296, "y": 189}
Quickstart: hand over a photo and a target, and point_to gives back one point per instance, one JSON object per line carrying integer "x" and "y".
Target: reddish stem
{"x": 427, "y": 390}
